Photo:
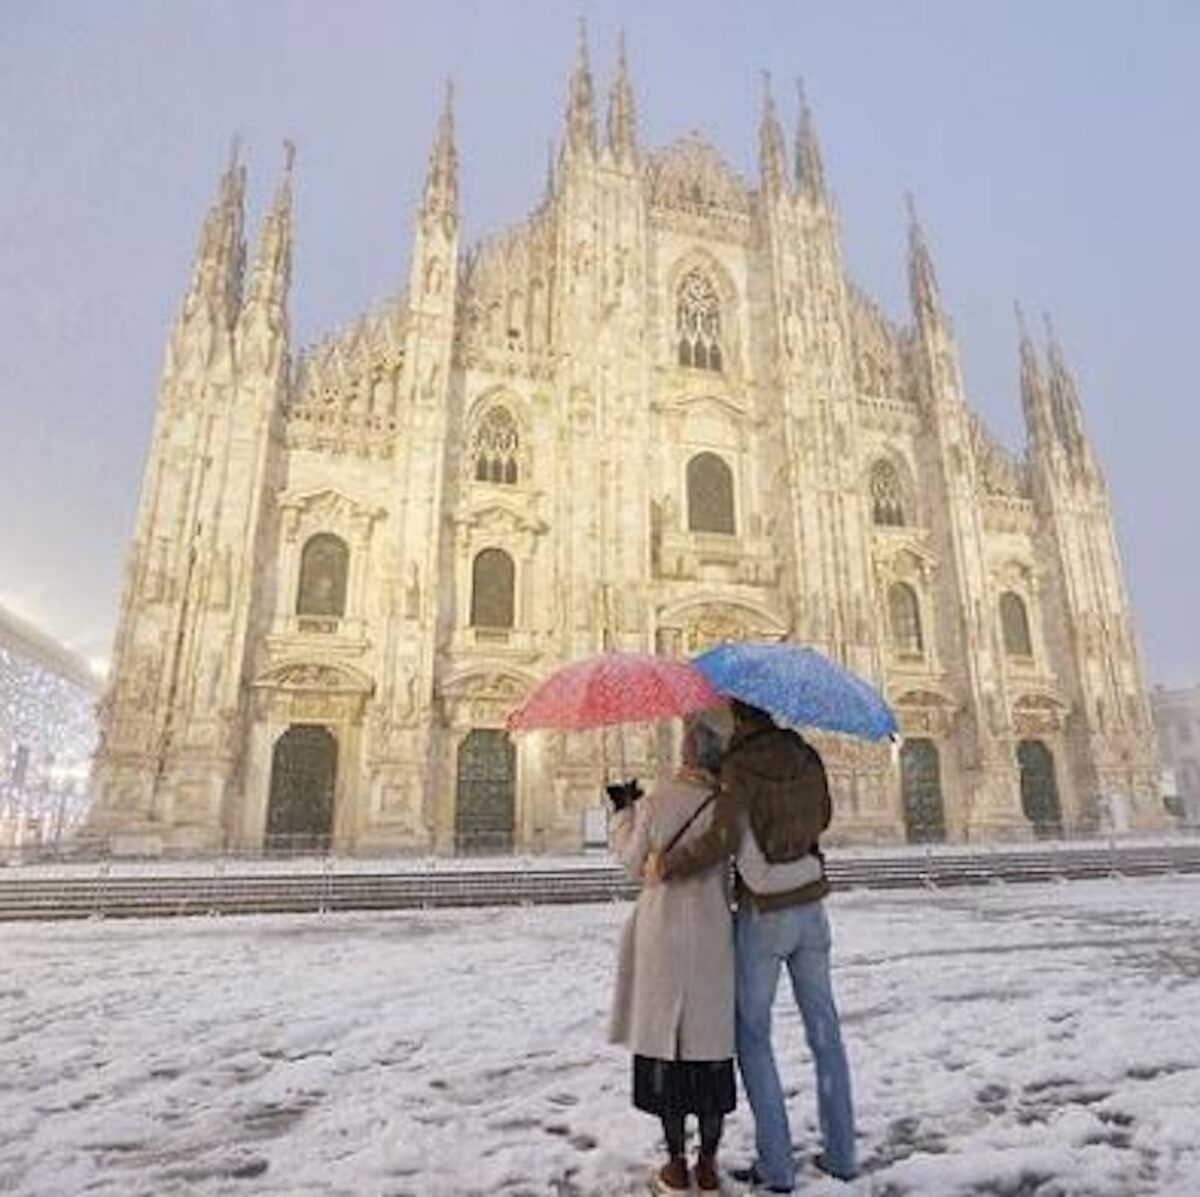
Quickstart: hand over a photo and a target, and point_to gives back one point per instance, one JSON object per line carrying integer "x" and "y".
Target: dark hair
{"x": 743, "y": 712}
{"x": 702, "y": 747}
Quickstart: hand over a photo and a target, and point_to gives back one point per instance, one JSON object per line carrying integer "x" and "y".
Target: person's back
{"x": 778, "y": 783}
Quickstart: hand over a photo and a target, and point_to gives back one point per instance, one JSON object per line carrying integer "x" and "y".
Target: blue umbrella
{"x": 798, "y": 686}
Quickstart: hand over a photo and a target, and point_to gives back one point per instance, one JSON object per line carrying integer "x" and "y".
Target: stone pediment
{"x": 315, "y": 677}
{"x": 329, "y": 505}
{"x": 901, "y": 554}
{"x": 691, "y": 176}
{"x": 726, "y": 406}
{"x": 493, "y": 685}
{"x": 925, "y": 699}
{"x": 498, "y": 517}
{"x": 1040, "y": 700}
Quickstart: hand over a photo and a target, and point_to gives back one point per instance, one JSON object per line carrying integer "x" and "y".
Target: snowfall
{"x": 1013, "y": 1040}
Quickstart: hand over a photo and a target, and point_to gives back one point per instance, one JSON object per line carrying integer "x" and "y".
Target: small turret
{"x": 441, "y": 184}
{"x": 922, "y": 279}
{"x": 217, "y": 277}
{"x": 622, "y": 122}
{"x": 810, "y": 173}
{"x": 581, "y": 115}
{"x": 772, "y": 159}
{"x": 1034, "y": 397}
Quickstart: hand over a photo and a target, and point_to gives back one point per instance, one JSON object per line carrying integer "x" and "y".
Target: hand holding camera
{"x": 623, "y": 793}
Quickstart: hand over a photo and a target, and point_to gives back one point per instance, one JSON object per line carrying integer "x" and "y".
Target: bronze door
{"x": 483, "y": 817}
{"x": 921, "y": 788}
{"x": 303, "y": 776}
{"x": 1039, "y": 790}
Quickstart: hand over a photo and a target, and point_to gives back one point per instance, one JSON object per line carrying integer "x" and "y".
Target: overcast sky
{"x": 1052, "y": 149}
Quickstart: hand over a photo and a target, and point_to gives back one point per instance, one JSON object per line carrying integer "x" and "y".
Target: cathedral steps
{"x": 89, "y": 892}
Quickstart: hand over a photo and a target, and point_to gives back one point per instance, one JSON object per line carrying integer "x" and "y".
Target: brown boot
{"x": 672, "y": 1177}
{"x": 705, "y": 1174}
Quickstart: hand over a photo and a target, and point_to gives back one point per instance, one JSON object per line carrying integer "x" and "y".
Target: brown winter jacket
{"x": 774, "y": 783}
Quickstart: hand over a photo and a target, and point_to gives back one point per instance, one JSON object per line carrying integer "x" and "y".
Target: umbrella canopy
{"x": 799, "y": 686}
{"x": 614, "y": 688}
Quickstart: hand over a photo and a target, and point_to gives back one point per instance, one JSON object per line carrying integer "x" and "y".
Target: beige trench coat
{"x": 674, "y": 987}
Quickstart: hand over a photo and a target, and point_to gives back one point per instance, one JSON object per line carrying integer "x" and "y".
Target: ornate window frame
{"x": 305, "y": 514}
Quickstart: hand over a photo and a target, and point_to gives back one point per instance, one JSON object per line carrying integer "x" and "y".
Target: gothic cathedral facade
{"x": 654, "y": 416}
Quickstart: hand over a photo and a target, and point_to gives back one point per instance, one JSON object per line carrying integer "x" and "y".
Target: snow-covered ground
{"x": 1032, "y": 1040}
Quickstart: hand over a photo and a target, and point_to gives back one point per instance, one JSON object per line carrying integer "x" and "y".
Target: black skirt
{"x": 683, "y": 1086}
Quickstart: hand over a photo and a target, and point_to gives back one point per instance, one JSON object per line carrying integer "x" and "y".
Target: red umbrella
{"x": 614, "y": 688}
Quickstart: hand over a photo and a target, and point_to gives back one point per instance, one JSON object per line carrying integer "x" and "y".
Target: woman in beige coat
{"x": 673, "y": 1006}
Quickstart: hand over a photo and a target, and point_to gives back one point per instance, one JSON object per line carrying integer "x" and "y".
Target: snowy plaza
{"x": 1033, "y": 1040}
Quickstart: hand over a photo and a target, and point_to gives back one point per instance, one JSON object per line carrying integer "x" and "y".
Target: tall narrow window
{"x": 904, "y": 613}
{"x": 698, "y": 323}
{"x": 1014, "y": 625}
{"x": 887, "y": 497}
{"x": 495, "y": 447}
{"x": 323, "y": 568}
{"x": 492, "y": 578}
{"x": 710, "y": 494}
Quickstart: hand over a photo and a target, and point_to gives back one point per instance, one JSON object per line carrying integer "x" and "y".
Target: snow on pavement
{"x": 1024, "y": 1041}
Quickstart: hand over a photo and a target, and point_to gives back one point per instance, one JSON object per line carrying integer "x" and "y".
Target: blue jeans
{"x": 796, "y": 936}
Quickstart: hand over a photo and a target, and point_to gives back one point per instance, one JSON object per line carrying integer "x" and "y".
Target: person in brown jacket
{"x": 770, "y": 812}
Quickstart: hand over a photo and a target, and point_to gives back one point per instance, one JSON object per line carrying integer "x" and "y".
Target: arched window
{"x": 495, "y": 447}
{"x": 710, "y": 494}
{"x": 1014, "y": 625}
{"x": 324, "y": 565}
{"x": 698, "y": 323}
{"x": 887, "y": 495}
{"x": 904, "y": 614}
{"x": 492, "y": 577}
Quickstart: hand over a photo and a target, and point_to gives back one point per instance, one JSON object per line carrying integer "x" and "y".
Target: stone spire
{"x": 622, "y": 122}
{"x": 810, "y": 173}
{"x": 441, "y": 184}
{"x": 1034, "y": 399}
{"x": 272, "y": 277}
{"x": 771, "y": 156}
{"x": 581, "y": 116}
{"x": 1064, "y": 397}
{"x": 221, "y": 255}
{"x": 922, "y": 280}
{"x": 548, "y": 196}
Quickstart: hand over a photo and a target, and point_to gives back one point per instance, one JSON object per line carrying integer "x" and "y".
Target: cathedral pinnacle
{"x": 441, "y": 186}
{"x": 273, "y": 264}
{"x": 622, "y": 125}
{"x": 221, "y": 255}
{"x": 772, "y": 159}
{"x": 581, "y": 117}
{"x": 810, "y": 173}
{"x": 922, "y": 280}
{"x": 1064, "y": 397}
{"x": 1034, "y": 401}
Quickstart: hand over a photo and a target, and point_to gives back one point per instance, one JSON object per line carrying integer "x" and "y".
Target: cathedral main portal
{"x": 303, "y": 776}
{"x": 484, "y": 808}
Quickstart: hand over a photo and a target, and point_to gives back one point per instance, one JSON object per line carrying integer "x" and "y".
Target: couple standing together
{"x": 694, "y": 980}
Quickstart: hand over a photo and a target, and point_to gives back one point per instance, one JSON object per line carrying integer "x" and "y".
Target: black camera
{"x": 624, "y": 793}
